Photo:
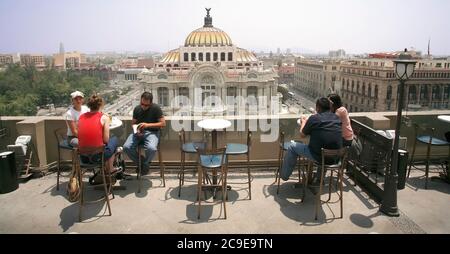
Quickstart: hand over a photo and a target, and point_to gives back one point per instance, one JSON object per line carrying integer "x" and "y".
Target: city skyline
{"x": 303, "y": 26}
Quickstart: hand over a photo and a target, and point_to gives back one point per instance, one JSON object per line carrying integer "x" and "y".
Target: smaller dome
{"x": 243, "y": 55}
{"x": 171, "y": 57}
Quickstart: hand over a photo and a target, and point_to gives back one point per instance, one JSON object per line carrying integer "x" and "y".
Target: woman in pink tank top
{"x": 93, "y": 131}
{"x": 341, "y": 112}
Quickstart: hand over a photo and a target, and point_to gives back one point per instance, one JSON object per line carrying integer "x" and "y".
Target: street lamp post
{"x": 404, "y": 68}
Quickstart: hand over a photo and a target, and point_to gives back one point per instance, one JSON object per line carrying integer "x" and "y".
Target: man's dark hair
{"x": 336, "y": 100}
{"x": 323, "y": 105}
{"x": 147, "y": 96}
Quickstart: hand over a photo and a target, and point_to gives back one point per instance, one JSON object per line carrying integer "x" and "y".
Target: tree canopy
{"x": 24, "y": 89}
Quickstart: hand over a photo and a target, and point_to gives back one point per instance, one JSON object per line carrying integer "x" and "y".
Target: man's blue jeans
{"x": 149, "y": 140}
{"x": 294, "y": 150}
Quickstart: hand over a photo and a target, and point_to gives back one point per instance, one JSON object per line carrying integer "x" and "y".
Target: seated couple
{"x": 325, "y": 131}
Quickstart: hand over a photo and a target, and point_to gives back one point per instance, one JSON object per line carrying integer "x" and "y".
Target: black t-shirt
{"x": 151, "y": 115}
{"x": 325, "y": 132}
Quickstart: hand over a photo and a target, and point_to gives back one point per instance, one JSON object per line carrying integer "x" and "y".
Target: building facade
{"x": 286, "y": 74}
{"x": 317, "y": 78}
{"x": 6, "y": 59}
{"x": 370, "y": 84}
{"x": 69, "y": 60}
{"x": 37, "y": 60}
{"x": 207, "y": 73}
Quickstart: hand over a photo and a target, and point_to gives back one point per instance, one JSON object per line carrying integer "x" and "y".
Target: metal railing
{"x": 370, "y": 157}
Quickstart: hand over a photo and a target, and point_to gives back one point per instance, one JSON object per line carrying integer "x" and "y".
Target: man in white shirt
{"x": 73, "y": 115}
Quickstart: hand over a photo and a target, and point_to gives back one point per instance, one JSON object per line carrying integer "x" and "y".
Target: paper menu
{"x": 135, "y": 128}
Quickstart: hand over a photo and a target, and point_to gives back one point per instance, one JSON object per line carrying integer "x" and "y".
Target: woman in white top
{"x": 341, "y": 112}
{"x": 73, "y": 116}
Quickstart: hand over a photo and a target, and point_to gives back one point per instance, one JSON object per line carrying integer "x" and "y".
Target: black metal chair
{"x": 62, "y": 144}
{"x": 339, "y": 158}
{"x": 243, "y": 149}
{"x": 430, "y": 140}
{"x": 212, "y": 173}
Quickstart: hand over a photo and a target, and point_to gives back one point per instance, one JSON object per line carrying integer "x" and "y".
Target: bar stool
{"x": 334, "y": 154}
{"x": 302, "y": 162}
{"x": 62, "y": 144}
{"x": 83, "y": 167}
{"x": 185, "y": 148}
{"x": 243, "y": 149}
{"x": 208, "y": 163}
{"x": 430, "y": 141}
{"x": 140, "y": 149}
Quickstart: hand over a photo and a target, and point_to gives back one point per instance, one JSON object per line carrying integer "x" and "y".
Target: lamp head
{"x": 404, "y": 66}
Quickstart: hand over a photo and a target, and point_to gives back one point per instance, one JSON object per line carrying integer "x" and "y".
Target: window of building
{"x": 353, "y": 85}
{"x": 423, "y": 92}
{"x": 193, "y": 58}
{"x": 446, "y": 92}
{"x": 389, "y": 92}
{"x": 222, "y": 56}
{"x": 232, "y": 91}
{"x": 163, "y": 96}
{"x": 412, "y": 93}
{"x": 376, "y": 92}
{"x": 200, "y": 57}
{"x": 215, "y": 56}
{"x": 186, "y": 57}
{"x": 183, "y": 93}
{"x": 208, "y": 95}
{"x": 436, "y": 93}
{"x": 252, "y": 91}
{"x": 230, "y": 56}
{"x": 162, "y": 76}
{"x": 208, "y": 57}
{"x": 252, "y": 75}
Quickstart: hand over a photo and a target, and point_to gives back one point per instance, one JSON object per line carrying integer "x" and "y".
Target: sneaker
{"x": 119, "y": 149}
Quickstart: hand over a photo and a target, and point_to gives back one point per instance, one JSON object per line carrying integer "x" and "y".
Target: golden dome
{"x": 243, "y": 55}
{"x": 207, "y": 36}
{"x": 171, "y": 57}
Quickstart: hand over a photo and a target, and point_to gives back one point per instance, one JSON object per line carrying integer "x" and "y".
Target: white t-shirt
{"x": 74, "y": 115}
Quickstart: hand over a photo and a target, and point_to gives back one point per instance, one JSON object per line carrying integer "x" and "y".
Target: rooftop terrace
{"x": 37, "y": 207}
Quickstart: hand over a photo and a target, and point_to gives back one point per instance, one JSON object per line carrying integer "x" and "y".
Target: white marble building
{"x": 206, "y": 74}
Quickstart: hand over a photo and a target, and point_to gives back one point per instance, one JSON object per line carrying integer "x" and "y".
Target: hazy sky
{"x": 358, "y": 26}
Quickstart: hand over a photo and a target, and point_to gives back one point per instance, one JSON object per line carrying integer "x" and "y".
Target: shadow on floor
{"x": 289, "y": 200}
{"x": 90, "y": 212}
{"x": 416, "y": 181}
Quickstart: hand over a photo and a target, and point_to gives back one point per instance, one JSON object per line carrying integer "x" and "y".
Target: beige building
{"x": 317, "y": 78}
{"x": 37, "y": 60}
{"x": 68, "y": 60}
{"x": 6, "y": 59}
{"x": 369, "y": 84}
{"x": 210, "y": 66}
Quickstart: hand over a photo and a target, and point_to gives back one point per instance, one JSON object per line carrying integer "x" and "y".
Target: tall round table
{"x": 214, "y": 125}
